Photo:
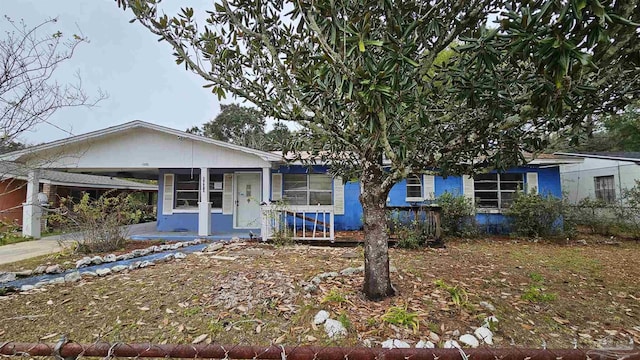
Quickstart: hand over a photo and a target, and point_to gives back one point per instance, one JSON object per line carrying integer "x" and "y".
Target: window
{"x": 188, "y": 194}
{"x": 414, "y": 188}
{"x": 605, "y": 188}
{"x": 496, "y": 191}
{"x": 308, "y": 189}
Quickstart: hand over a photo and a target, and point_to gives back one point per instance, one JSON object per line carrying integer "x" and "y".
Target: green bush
{"x": 98, "y": 223}
{"x": 534, "y": 215}
{"x": 10, "y": 233}
{"x": 596, "y": 215}
{"x": 457, "y": 216}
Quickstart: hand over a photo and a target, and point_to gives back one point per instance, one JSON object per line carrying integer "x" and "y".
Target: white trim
{"x": 235, "y": 186}
{"x": 15, "y": 155}
{"x": 413, "y": 199}
{"x": 606, "y": 157}
{"x": 532, "y": 182}
{"x": 428, "y": 187}
{"x": 168, "y": 201}
{"x": 338, "y": 196}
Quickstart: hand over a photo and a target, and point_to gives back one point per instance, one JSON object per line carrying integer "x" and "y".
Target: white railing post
{"x": 332, "y": 234}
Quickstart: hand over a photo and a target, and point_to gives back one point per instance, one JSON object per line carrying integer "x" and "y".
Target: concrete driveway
{"x": 52, "y": 244}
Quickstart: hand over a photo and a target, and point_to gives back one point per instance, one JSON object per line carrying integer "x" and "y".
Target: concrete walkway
{"x": 53, "y": 244}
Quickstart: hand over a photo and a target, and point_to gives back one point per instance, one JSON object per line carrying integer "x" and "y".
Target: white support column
{"x": 266, "y": 184}
{"x": 204, "y": 206}
{"x": 31, "y": 210}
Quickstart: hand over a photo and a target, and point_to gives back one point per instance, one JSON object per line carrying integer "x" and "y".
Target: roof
{"x": 13, "y": 170}
{"x": 606, "y": 155}
{"x": 18, "y": 155}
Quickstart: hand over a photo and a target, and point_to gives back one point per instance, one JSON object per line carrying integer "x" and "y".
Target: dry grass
{"x": 257, "y": 298}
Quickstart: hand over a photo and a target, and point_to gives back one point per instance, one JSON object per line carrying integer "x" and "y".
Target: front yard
{"x": 254, "y": 294}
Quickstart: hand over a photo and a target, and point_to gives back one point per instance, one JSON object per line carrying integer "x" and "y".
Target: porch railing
{"x": 297, "y": 222}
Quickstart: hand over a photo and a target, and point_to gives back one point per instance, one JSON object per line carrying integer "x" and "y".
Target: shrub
{"x": 10, "y": 233}
{"x": 397, "y": 315}
{"x": 457, "y": 216}
{"x": 595, "y": 215}
{"x": 98, "y": 223}
{"x": 628, "y": 211}
{"x": 533, "y": 215}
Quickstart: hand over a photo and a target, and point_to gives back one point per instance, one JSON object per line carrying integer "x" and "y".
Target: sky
{"x": 124, "y": 60}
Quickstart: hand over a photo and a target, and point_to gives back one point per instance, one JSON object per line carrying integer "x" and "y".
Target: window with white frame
{"x": 188, "y": 193}
{"x": 605, "y": 187}
{"x": 496, "y": 191}
{"x": 414, "y": 188}
{"x": 308, "y": 189}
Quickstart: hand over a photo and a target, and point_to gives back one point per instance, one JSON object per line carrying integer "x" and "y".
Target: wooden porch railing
{"x": 297, "y": 222}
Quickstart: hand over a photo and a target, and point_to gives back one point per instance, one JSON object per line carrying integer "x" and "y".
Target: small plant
{"x": 344, "y": 320}
{"x": 281, "y": 234}
{"x": 535, "y": 291}
{"x": 333, "y": 297}
{"x": 534, "y": 215}
{"x": 10, "y": 233}
{"x": 457, "y": 218}
{"x": 398, "y": 315}
{"x": 459, "y": 295}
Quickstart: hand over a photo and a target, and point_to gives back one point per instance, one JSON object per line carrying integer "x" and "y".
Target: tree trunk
{"x": 377, "y": 280}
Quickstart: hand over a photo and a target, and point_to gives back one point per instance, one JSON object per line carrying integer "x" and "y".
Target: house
{"x": 55, "y": 185}
{"x": 601, "y": 175}
{"x": 208, "y": 186}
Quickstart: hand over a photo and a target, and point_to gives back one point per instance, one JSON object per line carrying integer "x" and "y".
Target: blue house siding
{"x": 188, "y": 221}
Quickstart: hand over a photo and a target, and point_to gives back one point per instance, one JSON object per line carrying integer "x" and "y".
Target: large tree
{"x": 236, "y": 124}
{"x": 368, "y": 81}
{"x": 30, "y": 92}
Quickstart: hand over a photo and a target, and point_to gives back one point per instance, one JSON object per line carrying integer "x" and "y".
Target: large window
{"x": 605, "y": 188}
{"x": 496, "y": 191}
{"x": 414, "y": 188}
{"x": 188, "y": 194}
{"x": 308, "y": 189}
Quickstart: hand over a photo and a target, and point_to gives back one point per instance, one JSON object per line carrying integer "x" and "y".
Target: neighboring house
{"x": 210, "y": 186}
{"x": 601, "y": 175}
{"x": 55, "y": 185}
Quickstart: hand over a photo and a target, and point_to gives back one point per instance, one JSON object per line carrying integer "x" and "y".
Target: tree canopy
{"x": 369, "y": 81}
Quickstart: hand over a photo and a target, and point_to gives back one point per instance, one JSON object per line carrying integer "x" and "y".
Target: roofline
{"x": 13, "y": 156}
{"x": 605, "y": 157}
{"x": 142, "y": 186}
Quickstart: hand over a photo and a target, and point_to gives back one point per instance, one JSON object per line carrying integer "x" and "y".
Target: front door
{"x": 248, "y": 195}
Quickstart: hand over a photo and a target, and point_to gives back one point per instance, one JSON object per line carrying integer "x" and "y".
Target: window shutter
{"x": 532, "y": 182}
{"x": 338, "y": 196}
{"x": 276, "y": 187}
{"x": 227, "y": 194}
{"x": 468, "y": 188}
{"x": 167, "y": 194}
{"x": 428, "y": 187}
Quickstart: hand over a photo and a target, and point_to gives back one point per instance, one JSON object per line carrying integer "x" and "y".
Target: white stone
{"x": 179, "y": 255}
{"x": 145, "y": 264}
{"x": 6, "y": 277}
{"x": 350, "y": 271}
{"x": 320, "y": 317}
{"x": 487, "y": 305}
{"x": 334, "y": 328}
{"x": 422, "y": 344}
{"x": 395, "y": 344}
{"x": 73, "y": 276}
{"x": 214, "y": 247}
{"x": 89, "y": 274}
{"x": 96, "y": 260}
{"x": 27, "y": 287}
{"x": 53, "y": 269}
{"x": 484, "y": 334}
{"x": 109, "y": 258}
{"x": 119, "y": 268}
{"x": 469, "y": 340}
{"x": 85, "y": 261}
{"x": 451, "y": 344}
{"x": 103, "y": 272}
{"x": 56, "y": 281}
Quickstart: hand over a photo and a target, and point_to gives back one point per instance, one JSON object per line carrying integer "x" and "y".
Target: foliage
{"x": 459, "y": 296}
{"x": 236, "y": 124}
{"x": 457, "y": 216}
{"x": 398, "y": 315}
{"x": 594, "y": 214}
{"x": 281, "y": 235}
{"x": 627, "y": 211}
{"x": 10, "y": 233}
{"x": 536, "y": 292}
{"x": 29, "y": 93}
{"x": 367, "y": 81}
{"x": 344, "y": 320}
{"x": 100, "y": 223}
{"x": 334, "y": 297}
{"x": 534, "y": 215}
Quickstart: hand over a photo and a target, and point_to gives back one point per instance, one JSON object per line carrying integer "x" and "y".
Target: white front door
{"x": 248, "y": 195}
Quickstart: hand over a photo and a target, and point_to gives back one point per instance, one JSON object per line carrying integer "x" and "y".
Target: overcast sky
{"x": 124, "y": 60}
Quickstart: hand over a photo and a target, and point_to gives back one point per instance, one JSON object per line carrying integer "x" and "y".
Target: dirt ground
{"x": 542, "y": 293}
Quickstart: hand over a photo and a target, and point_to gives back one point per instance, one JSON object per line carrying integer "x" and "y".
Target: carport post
{"x": 204, "y": 206}
{"x": 31, "y": 209}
